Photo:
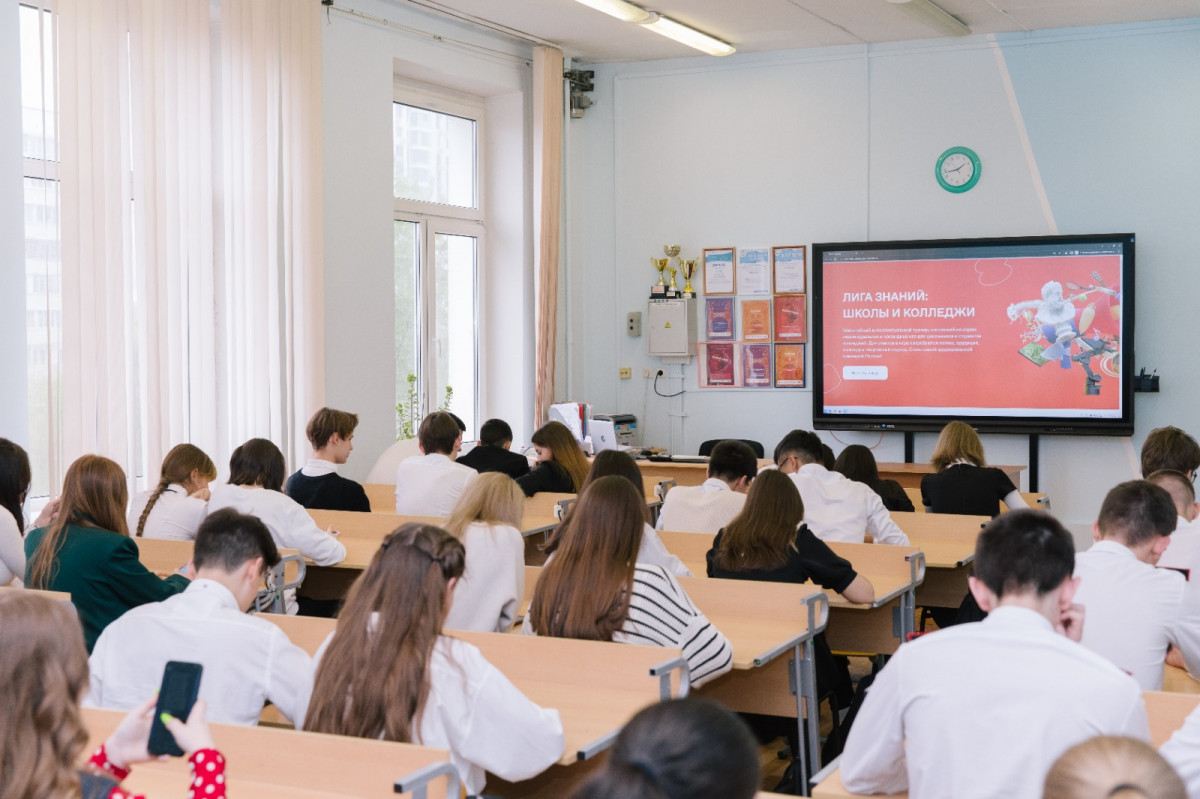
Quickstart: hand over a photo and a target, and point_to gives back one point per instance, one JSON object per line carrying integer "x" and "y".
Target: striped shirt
{"x": 661, "y": 614}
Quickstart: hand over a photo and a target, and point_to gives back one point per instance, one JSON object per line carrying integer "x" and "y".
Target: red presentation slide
{"x": 1038, "y": 336}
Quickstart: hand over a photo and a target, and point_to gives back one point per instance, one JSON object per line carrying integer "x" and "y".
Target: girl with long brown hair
{"x": 175, "y": 507}
{"x": 561, "y": 465}
{"x": 44, "y": 671}
{"x": 15, "y": 477}
{"x": 594, "y": 588}
{"x": 487, "y": 519}
{"x": 388, "y": 672}
{"x": 86, "y": 551}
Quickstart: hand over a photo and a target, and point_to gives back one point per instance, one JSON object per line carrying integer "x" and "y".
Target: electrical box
{"x": 672, "y": 328}
{"x": 633, "y": 324}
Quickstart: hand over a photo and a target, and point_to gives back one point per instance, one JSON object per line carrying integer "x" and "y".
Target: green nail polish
{"x": 165, "y": 717}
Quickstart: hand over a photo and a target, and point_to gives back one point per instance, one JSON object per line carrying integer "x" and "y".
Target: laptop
{"x": 604, "y": 435}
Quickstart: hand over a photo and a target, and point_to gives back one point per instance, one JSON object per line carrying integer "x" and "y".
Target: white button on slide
{"x": 864, "y": 373}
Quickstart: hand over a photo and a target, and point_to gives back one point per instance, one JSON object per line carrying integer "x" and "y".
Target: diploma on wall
{"x": 718, "y": 364}
{"x": 718, "y": 271}
{"x": 791, "y": 319}
{"x": 789, "y": 366}
{"x": 754, "y": 270}
{"x": 718, "y": 318}
{"x": 756, "y": 320}
{"x": 790, "y": 275}
{"x": 756, "y": 365}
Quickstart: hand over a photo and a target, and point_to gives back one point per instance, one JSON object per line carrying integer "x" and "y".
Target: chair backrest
{"x": 707, "y": 447}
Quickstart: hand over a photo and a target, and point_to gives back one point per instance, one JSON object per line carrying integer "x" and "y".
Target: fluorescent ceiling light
{"x": 626, "y": 12}
{"x": 685, "y": 35}
{"x": 932, "y": 15}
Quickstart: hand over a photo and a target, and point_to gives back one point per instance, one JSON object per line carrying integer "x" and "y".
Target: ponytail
{"x": 158, "y": 492}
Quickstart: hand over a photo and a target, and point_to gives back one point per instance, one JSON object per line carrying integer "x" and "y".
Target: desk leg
{"x": 807, "y": 712}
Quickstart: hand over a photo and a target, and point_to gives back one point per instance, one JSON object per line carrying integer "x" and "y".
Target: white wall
{"x": 839, "y": 145}
{"x": 361, "y": 59}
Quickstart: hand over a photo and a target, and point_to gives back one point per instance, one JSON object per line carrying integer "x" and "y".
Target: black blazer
{"x": 488, "y": 458}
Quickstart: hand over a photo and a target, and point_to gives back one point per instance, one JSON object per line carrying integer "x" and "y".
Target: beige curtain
{"x": 191, "y": 226}
{"x": 548, "y": 159}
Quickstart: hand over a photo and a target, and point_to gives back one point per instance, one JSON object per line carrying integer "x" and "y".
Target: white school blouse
{"x": 488, "y": 595}
{"x": 839, "y": 509}
{"x": 1184, "y": 550}
{"x": 1133, "y": 610}
{"x": 12, "y": 549}
{"x": 175, "y": 515}
{"x": 429, "y": 485}
{"x": 246, "y": 659}
{"x": 653, "y": 550}
{"x": 705, "y": 508}
{"x": 1182, "y": 751}
{"x": 482, "y": 718}
{"x": 983, "y": 710}
{"x": 288, "y": 521}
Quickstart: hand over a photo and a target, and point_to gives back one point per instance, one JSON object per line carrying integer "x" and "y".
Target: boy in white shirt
{"x": 1135, "y": 610}
{"x": 1184, "y": 552}
{"x": 1170, "y": 448}
{"x": 710, "y": 506}
{"x": 835, "y": 507}
{"x": 430, "y": 484}
{"x": 984, "y": 709}
{"x": 246, "y": 660}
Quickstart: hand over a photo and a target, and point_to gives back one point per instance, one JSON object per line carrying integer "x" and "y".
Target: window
{"x": 43, "y": 300}
{"x": 437, "y": 237}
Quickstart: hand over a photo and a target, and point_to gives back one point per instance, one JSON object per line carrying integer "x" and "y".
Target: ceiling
{"x": 762, "y": 25}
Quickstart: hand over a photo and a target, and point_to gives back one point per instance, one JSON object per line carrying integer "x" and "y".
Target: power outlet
{"x": 647, "y": 372}
{"x": 626, "y": 373}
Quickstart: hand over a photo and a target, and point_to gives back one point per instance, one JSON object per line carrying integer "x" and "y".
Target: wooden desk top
{"x": 909, "y": 474}
{"x": 271, "y": 762}
{"x": 1166, "y": 712}
{"x": 596, "y": 686}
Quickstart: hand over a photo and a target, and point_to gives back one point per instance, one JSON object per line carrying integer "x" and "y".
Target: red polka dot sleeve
{"x": 208, "y": 775}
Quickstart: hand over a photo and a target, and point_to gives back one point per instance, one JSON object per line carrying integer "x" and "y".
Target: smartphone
{"x": 180, "y": 686}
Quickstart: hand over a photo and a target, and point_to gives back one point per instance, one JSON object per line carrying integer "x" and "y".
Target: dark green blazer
{"x": 101, "y": 571}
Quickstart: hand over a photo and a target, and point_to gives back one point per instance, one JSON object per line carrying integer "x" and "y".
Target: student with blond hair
{"x": 963, "y": 482}
{"x": 487, "y": 520}
{"x": 176, "y": 506}
{"x": 1113, "y": 767}
{"x": 87, "y": 552}
{"x": 318, "y": 485}
{"x": 388, "y": 671}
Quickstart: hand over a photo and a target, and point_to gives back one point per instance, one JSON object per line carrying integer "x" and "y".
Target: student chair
{"x": 707, "y": 447}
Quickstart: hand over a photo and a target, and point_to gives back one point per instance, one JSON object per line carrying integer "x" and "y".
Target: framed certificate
{"x": 756, "y": 365}
{"x": 756, "y": 320}
{"x": 789, "y": 366}
{"x": 718, "y": 365}
{"x": 790, "y": 274}
{"x": 718, "y": 319}
{"x": 718, "y": 271}
{"x": 754, "y": 271}
{"x": 791, "y": 319}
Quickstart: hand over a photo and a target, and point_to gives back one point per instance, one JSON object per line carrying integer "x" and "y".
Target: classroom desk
{"x": 763, "y": 622}
{"x": 265, "y": 763}
{"x": 879, "y": 628}
{"x": 165, "y": 556}
{"x": 596, "y": 686}
{"x": 1035, "y": 500}
{"x": 57, "y": 596}
{"x": 1166, "y": 712}
{"x": 909, "y": 474}
{"x": 948, "y": 541}
{"x": 906, "y": 474}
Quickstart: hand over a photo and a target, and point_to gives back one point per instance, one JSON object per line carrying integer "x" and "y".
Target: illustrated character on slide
{"x": 1053, "y": 319}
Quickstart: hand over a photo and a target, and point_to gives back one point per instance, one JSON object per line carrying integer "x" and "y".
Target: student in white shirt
{"x": 1182, "y": 751}
{"x": 388, "y": 672}
{"x": 1113, "y": 767}
{"x": 984, "y": 709}
{"x": 256, "y": 471}
{"x": 595, "y": 589}
{"x": 487, "y": 519}
{"x": 708, "y": 507}
{"x": 15, "y": 477}
{"x": 1184, "y": 552}
{"x": 835, "y": 508}
{"x": 430, "y": 484}
{"x": 651, "y": 551}
{"x": 176, "y": 506}
{"x": 246, "y": 660}
{"x": 1135, "y": 610}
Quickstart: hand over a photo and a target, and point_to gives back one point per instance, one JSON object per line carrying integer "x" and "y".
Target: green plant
{"x": 409, "y": 408}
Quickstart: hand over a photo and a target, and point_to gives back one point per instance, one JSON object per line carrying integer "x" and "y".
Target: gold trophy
{"x": 688, "y": 267}
{"x": 659, "y": 289}
{"x": 673, "y": 289}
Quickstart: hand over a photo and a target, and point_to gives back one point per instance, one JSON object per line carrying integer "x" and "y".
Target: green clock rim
{"x": 970, "y": 184}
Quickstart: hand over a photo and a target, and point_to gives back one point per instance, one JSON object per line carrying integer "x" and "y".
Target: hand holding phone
{"x": 180, "y": 687}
